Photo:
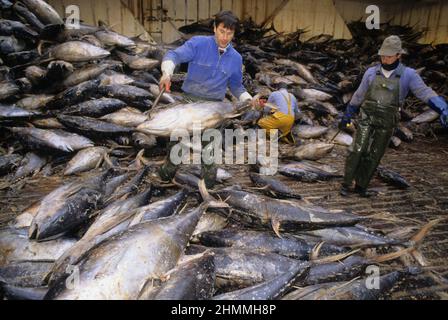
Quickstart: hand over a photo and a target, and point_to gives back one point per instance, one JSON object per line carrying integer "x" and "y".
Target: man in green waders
{"x": 379, "y": 98}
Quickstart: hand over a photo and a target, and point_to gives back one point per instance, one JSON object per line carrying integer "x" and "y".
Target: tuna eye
{"x": 61, "y": 219}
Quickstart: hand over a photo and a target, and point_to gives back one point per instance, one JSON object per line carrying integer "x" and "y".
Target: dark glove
{"x": 346, "y": 120}
{"x": 439, "y": 105}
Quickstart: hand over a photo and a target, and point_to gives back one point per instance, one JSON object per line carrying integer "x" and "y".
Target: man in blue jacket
{"x": 379, "y": 98}
{"x": 213, "y": 66}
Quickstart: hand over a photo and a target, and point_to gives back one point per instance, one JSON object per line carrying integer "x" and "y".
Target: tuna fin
{"x": 107, "y": 160}
{"x": 393, "y": 255}
{"x": 212, "y": 202}
{"x": 337, "y": 257}
{"x": 316, "y": 250}
{"x": 276, "y": 227}
{"x": 32, "y": 231}
{"x": 412, "y": 249}
{"x": 417, "y": 255}
{"x": 418, "y": 238}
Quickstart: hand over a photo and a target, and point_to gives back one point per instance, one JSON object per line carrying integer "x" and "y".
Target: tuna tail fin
{"x": 208, "y": 199}
{"x": 315, "y": 253}
{"x": 412, "y": 249}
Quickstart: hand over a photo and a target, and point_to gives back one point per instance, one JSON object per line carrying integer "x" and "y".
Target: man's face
{"x": 223, "y": 35}
{"x": 390, "y": 59}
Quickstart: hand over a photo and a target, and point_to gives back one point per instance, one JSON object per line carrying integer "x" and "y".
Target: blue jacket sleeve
{"x": 419, "y": 88}
{"x": 360, "y": 94}
{"x": 236, "y": 80}
{"x": 184, "y": 53}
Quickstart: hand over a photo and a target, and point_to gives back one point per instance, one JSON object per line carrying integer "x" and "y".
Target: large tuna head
{"x": 67, "y": 216}
{"x": 68, "y": 207}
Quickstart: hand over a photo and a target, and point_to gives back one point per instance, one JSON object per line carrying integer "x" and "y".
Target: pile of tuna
{"x": 102, "y": 237}
{"x": 78, "y": 102}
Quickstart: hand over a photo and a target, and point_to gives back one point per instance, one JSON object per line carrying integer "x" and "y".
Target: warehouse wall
{"x": 424, "y": 15}
{"x": 114, "y": 12}
{"x": 162, "y": 17}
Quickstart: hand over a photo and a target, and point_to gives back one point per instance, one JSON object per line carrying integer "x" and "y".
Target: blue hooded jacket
{"x": 209, "y": 73}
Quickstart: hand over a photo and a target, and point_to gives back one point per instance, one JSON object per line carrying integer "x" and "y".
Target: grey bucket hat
{"x": 391, "y": 46}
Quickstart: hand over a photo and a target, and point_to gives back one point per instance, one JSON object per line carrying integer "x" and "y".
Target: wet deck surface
{"x": 401, "y": 213}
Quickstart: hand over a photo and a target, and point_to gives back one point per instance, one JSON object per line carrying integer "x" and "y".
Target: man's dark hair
{"x": 229, "y": 20}
{"x": 282, "y": 85}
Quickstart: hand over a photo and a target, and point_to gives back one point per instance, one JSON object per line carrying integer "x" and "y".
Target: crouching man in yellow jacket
{"x": 280, "y": 113}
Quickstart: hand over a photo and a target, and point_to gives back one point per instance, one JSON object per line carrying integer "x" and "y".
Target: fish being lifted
{"x": 183, "y": 117}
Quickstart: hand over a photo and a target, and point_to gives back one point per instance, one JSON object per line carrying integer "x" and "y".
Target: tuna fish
{"x": 313, "y": 94}
{"x": 301, "y": 69}
{"x": 133, "y": 96}
{"x": 16, "y": 113}
{"x": 237, "y": 268}
{"x": 348, "y": 236}
{"x": 182, "y": 117}
{"x": 25, "y": 273}
{"x": 119, "y": 267}
{"x": 9, "y": 162}
{"x": 273, "y": 187}
{"x": 289, "y": 216}
{"x": 143, "y": 141}
{"x": 340, "y": 138}
{"x": 124, "y": 190}
{"x": 392, "y": 178}
{"x": 309, "y": 132}
{"x": 271, "y": 289}
{"x": 8, "y": 89}
{"x": 33, "y": 102}
{"x": 20, "y": 293}
{"x": 136, "y": 62}
{"x": 86, "y": 160}
{"x": 110, "y": 221}
{"x": 95, "y": 108}
{"x": 28, "y": 16}
{"x": 86, "y": 73}
{"x": 404, "y": 133}
{"x": 210, "y": 221}
{"x": 127, "y": 117}
{"x": 313, "y": 151}
{"x": 67, "y": 207}
{"x": 52, "y": 139}
{"x": 426, "y": 117}
{"x": 31, "y": 164}
{"x": 17, "y": 29}
{"x": 78, "y": 51}
{"x": 15, "y": 246}
{"x": 352, "y": 290}
{"x": 113, "y": 39}
{"x": 45, "y": 12}
{"x": 263, "y": 241}
{"x": 303, "y": 171}
{"x": 74, "y": 95}
{"x": 93, "y": 127}
{"x": 191, "y": 280}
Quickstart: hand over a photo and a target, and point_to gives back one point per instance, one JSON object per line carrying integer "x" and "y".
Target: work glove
{"x": 346, "y": 120}
{"x": 439, "y": 105}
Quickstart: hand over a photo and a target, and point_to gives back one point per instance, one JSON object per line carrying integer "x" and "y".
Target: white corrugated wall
{"x": 161, "y": 18}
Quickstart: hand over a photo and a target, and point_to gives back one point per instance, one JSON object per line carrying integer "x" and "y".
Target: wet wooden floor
{"x": 424, "y": 163}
